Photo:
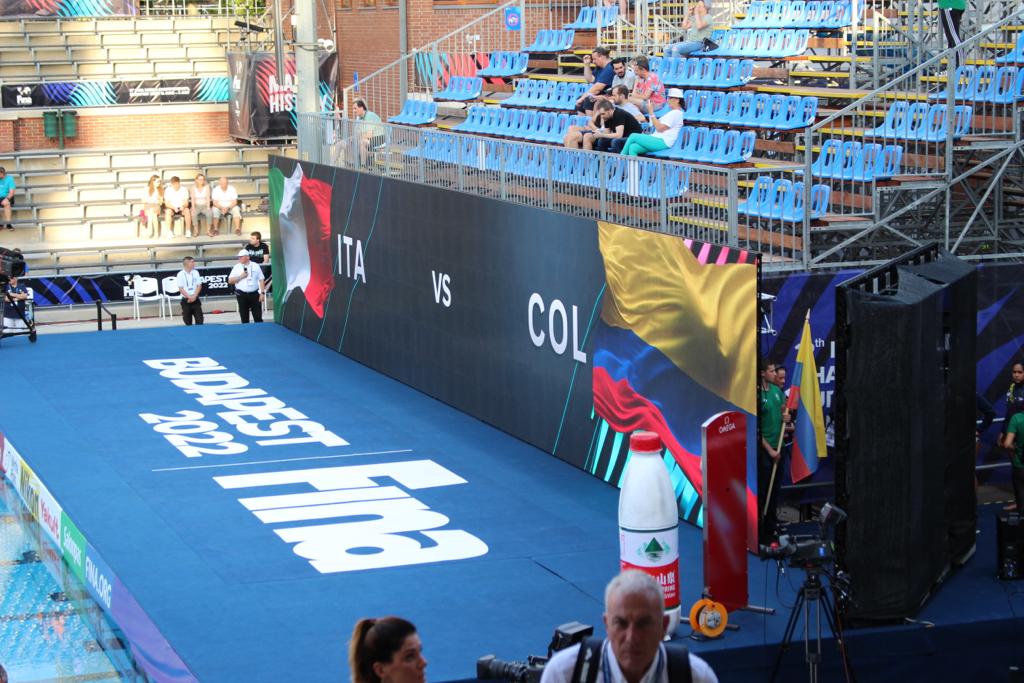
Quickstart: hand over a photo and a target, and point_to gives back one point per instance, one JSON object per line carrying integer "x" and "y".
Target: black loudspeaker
{"x": 1010, "y": 547}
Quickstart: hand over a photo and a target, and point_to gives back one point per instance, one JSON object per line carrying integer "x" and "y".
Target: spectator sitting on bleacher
{"x": 152, "y": 200}
{"x": 666, "y": 129}
{"x": 649, "y": 87}
{"x": 620, "y": 98}
{"x": 370, "y": 136}
{"x": 602, "y": 81}
{"x": 176, "y": 204}
{"x": 616, "y": 126}
{"x": 623, "y": 74}
{"x": 199, "y": 197}
{"x": 697, "y": 27}
{"x": 225, "y": 202}
{"x": 6, "y": 195}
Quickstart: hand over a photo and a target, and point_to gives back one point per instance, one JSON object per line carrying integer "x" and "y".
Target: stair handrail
{"x": 813, "y": 132}
{"x": 974, "y": 40}
{"x": 430, "y": 47}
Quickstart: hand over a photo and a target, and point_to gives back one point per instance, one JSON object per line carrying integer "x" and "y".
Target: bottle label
{"x": 655, "y": 553}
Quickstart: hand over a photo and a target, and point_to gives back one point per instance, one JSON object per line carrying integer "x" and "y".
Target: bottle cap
{"x": 645, "y": 442}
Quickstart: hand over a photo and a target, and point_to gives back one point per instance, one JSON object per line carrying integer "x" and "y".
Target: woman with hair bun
{"x": 386, "y": 650}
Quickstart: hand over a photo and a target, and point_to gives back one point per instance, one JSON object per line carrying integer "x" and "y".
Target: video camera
{"x": 808, "y": 550}
{"x": 12, "y": 264}
{"x": 490, "y": 667}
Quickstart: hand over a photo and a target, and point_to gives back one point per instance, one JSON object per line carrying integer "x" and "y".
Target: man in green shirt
{"x": 370, "y": 136}
{"x": 771, "y": 415}
{"x": 950, "y": 14}
{"x": 1015, "y": 440}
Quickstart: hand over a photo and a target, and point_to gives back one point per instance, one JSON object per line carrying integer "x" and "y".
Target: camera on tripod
{"x": 12, "y": 264}
{"x": 807, "y": 550}
{"x": 529, "y": 671}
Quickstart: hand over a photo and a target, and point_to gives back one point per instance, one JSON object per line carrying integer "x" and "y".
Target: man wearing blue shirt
{"x": 6, "y": 196}
{"x": 601, "y": 82}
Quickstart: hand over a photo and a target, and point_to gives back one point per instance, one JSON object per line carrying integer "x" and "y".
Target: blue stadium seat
{"x": 461, "y": 89}
{"x": 759, "y": 198}
{"x": 592, "y": 18}
{"x": 475, "y": 118}
{"x": 1014, "y": 56}
{"x": 552, "y": 40}
{"x": 755, "y": 15}
{"x": 416, "y": 112}
{"x": 782, "y": 199}
{"x": 762, "y": 43}
{"x": 965, "y": 83}
{"x": 505, "y": 65}
{"x": 1005, "y": 87}
{"x": 921, "y": 121}
{"x": 799, "y": 113}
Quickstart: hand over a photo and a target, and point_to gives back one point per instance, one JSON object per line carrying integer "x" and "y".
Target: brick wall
{"x": 121, "y": 131}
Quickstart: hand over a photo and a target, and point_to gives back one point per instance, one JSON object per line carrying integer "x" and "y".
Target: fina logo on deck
{"x": 367, "y": 524}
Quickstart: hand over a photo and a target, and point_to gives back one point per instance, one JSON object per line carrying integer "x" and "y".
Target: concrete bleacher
{"x": 51, "y": 49}
{"x": 77, "y": 210}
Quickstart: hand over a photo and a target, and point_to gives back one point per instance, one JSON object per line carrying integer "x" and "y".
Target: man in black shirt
{"x": 612, "y": 126}
{"x": 259, "y": 251}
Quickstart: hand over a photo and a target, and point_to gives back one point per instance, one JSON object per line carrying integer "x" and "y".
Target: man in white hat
{"x": 666, "y": 127}
{"x": 249, "y": 287}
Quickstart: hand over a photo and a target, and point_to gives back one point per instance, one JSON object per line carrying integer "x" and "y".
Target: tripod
{"x": 813, "y": 592}
{"x": 30, "y": 327}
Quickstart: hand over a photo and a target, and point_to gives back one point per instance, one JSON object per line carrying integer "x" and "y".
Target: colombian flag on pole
{"x": 809, "y": 437}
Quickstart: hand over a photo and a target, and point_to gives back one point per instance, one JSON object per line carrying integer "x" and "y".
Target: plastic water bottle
{"x": 649, "y": 520}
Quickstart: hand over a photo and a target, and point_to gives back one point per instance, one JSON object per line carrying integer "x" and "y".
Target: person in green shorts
{"x": 1015, "y": 440}
{"x": 950, "y": 14}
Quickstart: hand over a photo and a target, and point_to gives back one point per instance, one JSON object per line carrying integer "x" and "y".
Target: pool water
{"x": 50, "y": 628}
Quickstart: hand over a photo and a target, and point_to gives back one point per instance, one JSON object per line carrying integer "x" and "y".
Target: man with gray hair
{"x": 633, "y": 652}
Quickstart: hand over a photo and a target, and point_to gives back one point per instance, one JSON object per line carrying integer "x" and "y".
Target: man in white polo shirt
{"x": 225, "y": 203}
{"x": 176, "y": 204}
{"x": 190, "y": 285}
{"x": 249, "y": 285}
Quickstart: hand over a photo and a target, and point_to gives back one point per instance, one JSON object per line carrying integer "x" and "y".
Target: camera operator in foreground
{"x": 633, "y": 652}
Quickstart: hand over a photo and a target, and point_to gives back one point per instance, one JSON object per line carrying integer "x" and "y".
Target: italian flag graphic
{"x": 303, "y": 259}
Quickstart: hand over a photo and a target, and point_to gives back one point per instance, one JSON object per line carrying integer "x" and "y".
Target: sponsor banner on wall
{"x": 67, "y": 8}
{"x": 565, "y": 332}
{"x": 107, "y": 93}
{"x": 262, "y": 103}
{"x": 64, "y": 290}
{"x": 149, "y": 648}
{"x": 1000, "y": 330}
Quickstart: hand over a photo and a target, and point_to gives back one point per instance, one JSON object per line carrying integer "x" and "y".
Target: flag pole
{"x": 778, "y": 447}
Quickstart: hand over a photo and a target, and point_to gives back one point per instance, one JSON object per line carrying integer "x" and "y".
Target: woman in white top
{"x": 666, "y": 128}
{"x": 152, "y": 200}
{"x": 200, "y": 195}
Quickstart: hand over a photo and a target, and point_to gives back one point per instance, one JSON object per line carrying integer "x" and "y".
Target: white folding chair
{"x": 171, "y": 294}
{"x": 146, "y": 289}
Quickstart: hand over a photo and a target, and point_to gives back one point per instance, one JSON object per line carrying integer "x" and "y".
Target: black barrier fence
{"x": 899, "y": 358}
{"x": 69, "y": 290}
{"x": 562, "y": 331}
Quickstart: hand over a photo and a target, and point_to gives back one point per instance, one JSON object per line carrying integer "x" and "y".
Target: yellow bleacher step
{"x": 810, "y": 73}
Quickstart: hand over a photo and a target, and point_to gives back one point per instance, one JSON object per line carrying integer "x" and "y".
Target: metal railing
{"x": 694, "y": 201}
{"x": 924, "y": 116}
{"x": 427, "y": 69}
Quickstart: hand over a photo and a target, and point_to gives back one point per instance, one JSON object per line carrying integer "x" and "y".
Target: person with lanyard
{"x": 771, "y": 417}
{"x": 249, "y": 287}
{"x": 190, "y": 285}
{"x": 1014, "y": 406}
{"x": 633, "y": 652}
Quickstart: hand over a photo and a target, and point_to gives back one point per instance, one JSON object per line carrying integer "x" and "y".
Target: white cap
{"x": 674, "y": 92}
{"x": 243, "y": 252}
